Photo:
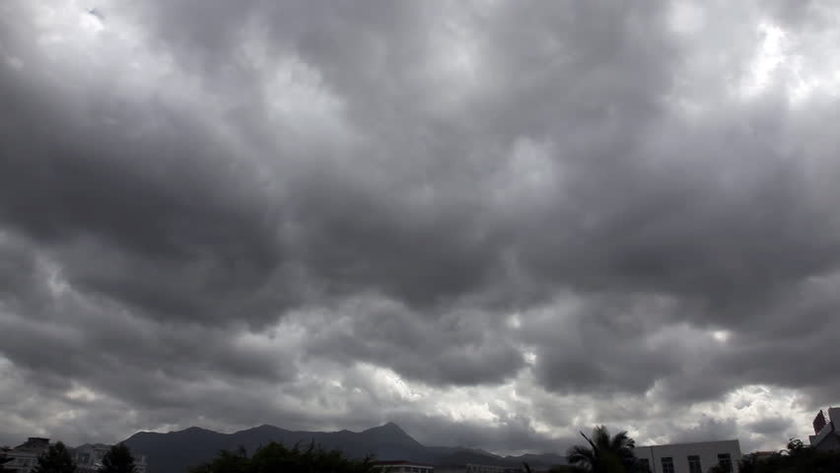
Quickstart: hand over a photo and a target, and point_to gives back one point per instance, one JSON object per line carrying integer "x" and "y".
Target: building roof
{"x": 34, "y": 444}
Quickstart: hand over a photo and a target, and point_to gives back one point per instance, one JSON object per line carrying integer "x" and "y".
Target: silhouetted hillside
{"x": 175, "y": 452}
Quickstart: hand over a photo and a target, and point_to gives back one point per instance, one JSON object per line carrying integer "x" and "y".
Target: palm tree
{"x": 605, "y": 454}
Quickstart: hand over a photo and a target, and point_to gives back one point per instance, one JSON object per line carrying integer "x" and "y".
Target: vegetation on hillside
{"x": 275, "y": 457}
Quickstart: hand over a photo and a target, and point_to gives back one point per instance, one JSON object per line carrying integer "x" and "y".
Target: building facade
{"x": 88, "y": 458}
{"x": 477, "y": 468}
{"x": 402, "y": 466}
{"x": 696, "y": 457}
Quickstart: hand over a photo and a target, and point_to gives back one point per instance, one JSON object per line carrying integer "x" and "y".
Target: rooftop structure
{"x": 826, "y": 436}
{"x": 24, "y": 457}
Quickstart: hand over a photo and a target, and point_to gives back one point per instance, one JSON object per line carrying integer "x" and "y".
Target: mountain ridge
{"x": 177, "y": 451}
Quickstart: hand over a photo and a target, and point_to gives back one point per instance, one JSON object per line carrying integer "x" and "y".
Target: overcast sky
{"x": 492, "y": 222}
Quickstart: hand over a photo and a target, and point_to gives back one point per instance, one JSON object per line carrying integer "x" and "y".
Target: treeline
{"x": 797, "y": 458}
{"x": 274, "y": 457}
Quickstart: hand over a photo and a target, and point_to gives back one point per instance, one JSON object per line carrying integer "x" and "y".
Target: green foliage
{"x": 226, "y": 462}
{"x": 275, "y": 458}
{"x": 719, "y": 469}
{"x": 799, "y": 459}
{"x": 118, "y": 459}
{"x": 56, "y": 459}
{"x": 795, "y": 446}
{"x": 604, "y": 454}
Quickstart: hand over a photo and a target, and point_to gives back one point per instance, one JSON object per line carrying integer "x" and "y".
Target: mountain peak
{"x": 390, "y": 433}
{"x": 176, "y": 451}
{"x": 192, "y": 430}
{"x": 387, "y": 428}
{"x": 264, "y": 427}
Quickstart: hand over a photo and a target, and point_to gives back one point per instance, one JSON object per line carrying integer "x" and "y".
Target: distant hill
{"x": 176, "y": 452}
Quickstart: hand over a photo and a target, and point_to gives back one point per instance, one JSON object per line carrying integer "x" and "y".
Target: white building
{"x": 25, "y": 456}
{"x": 477, "y": 468}
{"x": 402, "y": 466}
{"x": 690, "y": 457}
{"x": 88, "y": 458}
{"x": 826, "y": 436}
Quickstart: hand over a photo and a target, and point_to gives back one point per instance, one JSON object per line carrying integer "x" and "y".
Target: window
{"x": 667, "y": 465}
{"x": 644, "y": 465}
{"x": 694, "y": 464}
{"x": 725, "y": 461}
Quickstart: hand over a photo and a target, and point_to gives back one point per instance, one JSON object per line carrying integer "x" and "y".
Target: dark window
{"x": 644, "y": 464}
{"x": 667, "y": 465}
{"x": 694, "y": 464}
{"x": 725, "y": 461}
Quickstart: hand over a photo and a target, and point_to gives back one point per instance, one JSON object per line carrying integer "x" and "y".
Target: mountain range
{"x": 176, "y": 452}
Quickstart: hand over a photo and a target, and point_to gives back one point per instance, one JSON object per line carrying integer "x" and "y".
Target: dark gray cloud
{"x": 495, "y": 225}
{"x": 770, "y": 425}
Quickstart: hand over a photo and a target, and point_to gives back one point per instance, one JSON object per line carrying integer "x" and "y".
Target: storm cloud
{"x": 494, "y": 223}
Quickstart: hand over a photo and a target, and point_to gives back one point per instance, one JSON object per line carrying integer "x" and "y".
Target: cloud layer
{"x": 495, "y": 224}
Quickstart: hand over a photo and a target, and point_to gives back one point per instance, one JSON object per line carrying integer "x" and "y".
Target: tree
{"x": 604, "y": 454}
{"x": 274, "y": 457}
{"x": 118, "y": 459}
{"x": 795, "y": 446}
{"x": 799, "y": 459}
{"x": 720, "y": 468}
{"x": 226, "y": 462}
{"x": 749, "y": 464}
{"x": 55, "y": 460}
